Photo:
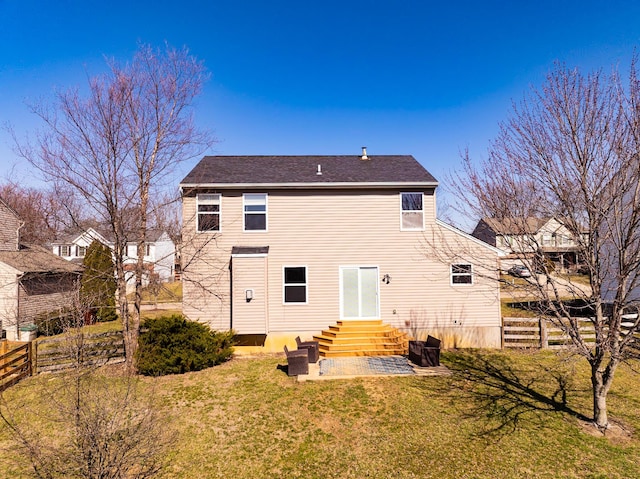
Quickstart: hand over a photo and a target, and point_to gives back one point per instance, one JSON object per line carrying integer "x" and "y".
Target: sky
{"x": 425, "y": 78}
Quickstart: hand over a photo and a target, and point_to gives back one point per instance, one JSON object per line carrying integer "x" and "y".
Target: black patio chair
{"x": 297, "y": 361}
{"x": 425, "y": 353}
{"x": 312, "y": 346}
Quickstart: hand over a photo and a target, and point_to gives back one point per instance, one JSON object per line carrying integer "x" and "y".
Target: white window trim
{"x": 452, "y": 274}
{"x": 402, "y": 228}
{"x": 341, "y": 298}
{"x": 219, "y": 213}
{"x": 266, "y": 213}
{"x": 306, "y": 284}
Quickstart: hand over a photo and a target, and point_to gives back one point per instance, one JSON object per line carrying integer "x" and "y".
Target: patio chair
{"x": 425, "y": 353}
{"x": 312, "y": 346}
{"x": 297, "y": 361}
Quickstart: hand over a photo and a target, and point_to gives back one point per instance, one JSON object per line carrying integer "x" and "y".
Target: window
{"x": 295, "y": 284}
{"x": 255, "y": 212}
{"x": 208, "y": 207}
{"x": 412, "y": 216}
{"x": 65, "y": 250}
{"x": 461, "y": 274}
{"x": 147, "y": 249}
{"x": 81, "y": 251}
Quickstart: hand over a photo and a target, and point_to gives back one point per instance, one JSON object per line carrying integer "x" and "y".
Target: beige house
{"x": 33, "y": 281}
{"x": 279, "y": 246}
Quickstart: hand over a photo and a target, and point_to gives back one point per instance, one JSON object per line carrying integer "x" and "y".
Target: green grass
{"x": 500, "y": 415}
{"x": 167, "y": 293}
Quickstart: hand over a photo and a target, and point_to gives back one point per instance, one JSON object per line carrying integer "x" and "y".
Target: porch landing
{"x": 358, "y": 367}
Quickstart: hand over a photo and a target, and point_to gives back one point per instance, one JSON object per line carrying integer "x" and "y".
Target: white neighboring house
{"x": 33, "y": 282}
{"x": 158, "y": 257}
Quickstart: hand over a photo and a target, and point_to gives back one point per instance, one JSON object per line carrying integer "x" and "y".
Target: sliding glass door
{"x": 359, "y": 292}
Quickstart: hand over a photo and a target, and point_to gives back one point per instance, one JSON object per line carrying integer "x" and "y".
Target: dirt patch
{"x": 617, "y": 433}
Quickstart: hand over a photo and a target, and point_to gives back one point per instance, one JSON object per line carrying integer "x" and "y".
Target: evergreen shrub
{"x": 176, "y": 345}
{"x": 98, "y": 283}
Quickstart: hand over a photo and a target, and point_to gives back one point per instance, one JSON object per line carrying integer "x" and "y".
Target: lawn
{"x": 163, "y": 293}
{"x": 500, "y": 415}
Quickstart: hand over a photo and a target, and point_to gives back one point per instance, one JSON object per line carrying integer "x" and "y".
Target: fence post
{"x": 544, "y": 335}
{"x": 4, "y": 348}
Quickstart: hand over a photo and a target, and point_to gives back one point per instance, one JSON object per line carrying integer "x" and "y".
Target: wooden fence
{"x": 541, "y": 333}
{"x": 16, "y": 362}
{"x": 64, "y": 352}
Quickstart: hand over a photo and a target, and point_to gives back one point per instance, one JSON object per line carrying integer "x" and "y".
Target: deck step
{"x": 362, "y": 338}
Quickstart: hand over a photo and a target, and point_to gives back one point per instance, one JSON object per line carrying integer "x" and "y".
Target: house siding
{"x": 9, "y": 233}
{"x": 325, "y": 230}
{"x": 250, "y": 272}
{"x": 8, "y": 296}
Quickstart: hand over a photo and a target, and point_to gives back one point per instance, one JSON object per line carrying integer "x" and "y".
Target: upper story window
{"x": 295, "y": 284}
{"x": 147, "y": 249}
{"x": 81, "y": 251}
{"x": 208, "y": 207}
{"x": 255, "y": 211}
{"x": 461, "y": 273}
{"x": 412, "y": 215}
{"x": 65, "y": 250}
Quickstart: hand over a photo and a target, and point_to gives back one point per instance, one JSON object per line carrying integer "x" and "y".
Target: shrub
{"x": 98, "y": 283}
{"x": 175, "y": 345}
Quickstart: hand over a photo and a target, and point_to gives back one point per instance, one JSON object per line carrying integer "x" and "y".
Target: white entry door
{"x": 359, "y": 292}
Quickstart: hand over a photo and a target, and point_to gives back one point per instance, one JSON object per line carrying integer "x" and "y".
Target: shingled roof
{"x": 303, "y": 171}
{"x": 36, "y": 259}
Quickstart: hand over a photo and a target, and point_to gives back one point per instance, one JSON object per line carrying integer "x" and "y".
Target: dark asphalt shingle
{"x": 303, "y": 169}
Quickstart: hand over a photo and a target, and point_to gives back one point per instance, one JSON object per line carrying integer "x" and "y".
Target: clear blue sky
{"x": 321, "y": 77}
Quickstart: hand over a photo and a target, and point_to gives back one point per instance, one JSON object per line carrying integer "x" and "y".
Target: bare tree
{"x": 45, "y": 212}
{"x": 570, "y": 151}
{"x": 117, "y": 146}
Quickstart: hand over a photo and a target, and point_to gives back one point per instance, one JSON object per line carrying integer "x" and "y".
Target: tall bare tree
{"x": 45, "y": 212}
{"x": 570, "y": 151}
{"x": 117, "y": 145}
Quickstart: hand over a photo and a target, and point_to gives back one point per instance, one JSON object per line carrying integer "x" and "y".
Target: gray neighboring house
{"x": 521, "y": 239}
{"x": 33, "y": 281}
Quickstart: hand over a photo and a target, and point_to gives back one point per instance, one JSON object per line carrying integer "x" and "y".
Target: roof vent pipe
{"x": 319, "y": 172}
{"x": 364, "y": 153}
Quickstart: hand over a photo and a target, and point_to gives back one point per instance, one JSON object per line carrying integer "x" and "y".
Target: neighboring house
{"x": 33, "y": 282}
{"x": 277, "y": 246}
{"x": 73, "y": 246}
{"x": 548, "y": 236}
{"x": 158, "y": 256}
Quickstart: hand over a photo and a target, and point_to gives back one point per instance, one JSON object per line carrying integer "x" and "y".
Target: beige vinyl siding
{"x": 325, "y": 230}
{"x": 8, "y": 296}
{"x": 249, "y": 272}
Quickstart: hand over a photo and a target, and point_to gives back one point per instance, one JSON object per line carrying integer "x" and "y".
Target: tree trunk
{"x": 601, "y": 381}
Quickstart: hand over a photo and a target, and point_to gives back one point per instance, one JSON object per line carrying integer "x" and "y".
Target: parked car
{"x": 519, "y": 271}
